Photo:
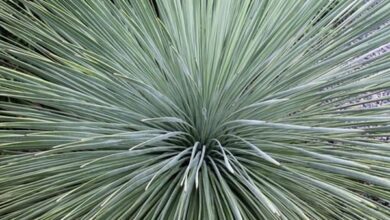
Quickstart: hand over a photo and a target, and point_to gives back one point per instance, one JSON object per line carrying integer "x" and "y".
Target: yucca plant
{"x": 193, "y": 109}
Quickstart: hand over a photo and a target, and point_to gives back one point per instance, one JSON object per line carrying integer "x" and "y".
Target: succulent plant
{"x": 193, "y": 109}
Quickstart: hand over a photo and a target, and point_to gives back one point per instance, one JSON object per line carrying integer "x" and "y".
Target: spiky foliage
{"x": 193, "y": 109}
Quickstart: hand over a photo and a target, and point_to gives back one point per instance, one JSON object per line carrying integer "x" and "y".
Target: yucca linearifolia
{"x": 193, "y": 109}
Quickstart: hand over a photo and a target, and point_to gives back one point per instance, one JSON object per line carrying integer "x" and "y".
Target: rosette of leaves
{"x": 193, "y": 109}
